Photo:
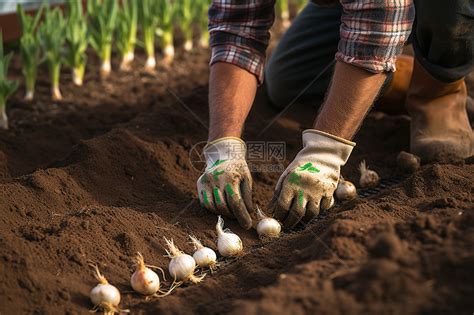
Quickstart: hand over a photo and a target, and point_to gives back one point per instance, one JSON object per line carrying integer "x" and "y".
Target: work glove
{"x": 307, "y": 185}
{"x": 226, "y": 185}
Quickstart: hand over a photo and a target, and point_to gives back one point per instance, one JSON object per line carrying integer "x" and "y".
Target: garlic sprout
{"x": 345, "y": 190}
{"x": 148, "y": 11}
{"x": 200, "y": 12}
{"x": 267, "y": 227}
{"x": 77, "y": 40}
{"x": 7, "y": 87}
{"x": 51, "y": 34}
{"x": 167, "y": 11}
{"x": 127, "y": 21}
{"x": 408, "y": 162}
{"x": 181, "y": 266}
{"x": 185, "y": 16}
{"x": 368, "y": 178}
{"x": 103, "y": 17}
{"x": 29, "y": 49}
{"x": 204, "y": 256}
{"x": 228, "y": 243}
{"x": 104, "y": 295}
{"x": 283, "y": 11}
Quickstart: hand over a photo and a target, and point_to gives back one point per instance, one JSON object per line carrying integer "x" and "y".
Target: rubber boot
{"x": 393, "y": 99}
{"x": 440, "y": 129}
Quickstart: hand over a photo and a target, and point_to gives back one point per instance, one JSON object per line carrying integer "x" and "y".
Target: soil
{"x": 106, "y": 173}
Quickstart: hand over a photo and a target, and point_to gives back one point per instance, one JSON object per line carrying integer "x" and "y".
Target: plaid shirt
{"x": 372, "y": 32}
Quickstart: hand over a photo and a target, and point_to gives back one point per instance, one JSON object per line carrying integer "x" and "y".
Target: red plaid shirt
{"x": 372, "y": 32}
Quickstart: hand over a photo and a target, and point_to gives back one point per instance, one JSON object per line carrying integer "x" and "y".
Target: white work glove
{"x": 226, "y": 185}
{"x": 308, "y": 183}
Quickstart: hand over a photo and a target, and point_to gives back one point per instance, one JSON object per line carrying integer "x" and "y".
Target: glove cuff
{"x": 327, "y": 144}
{"x": 322, "y": 133}
{"x": 227, "y": 148}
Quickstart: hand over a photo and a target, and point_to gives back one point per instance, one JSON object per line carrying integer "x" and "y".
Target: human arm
{"x": 239, "y": 37}
{"x": 367, "y": 51}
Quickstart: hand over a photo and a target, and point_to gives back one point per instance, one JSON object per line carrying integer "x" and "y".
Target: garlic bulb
{"x": 104, "y": 295}
{"x": 368, "y": 178}
{"x": 267, "y": 227}
{"x": 408, "y": 162}
{"x": 228, "y": 243}
{"x": 144, "y": 280}
{"x": 345, "y": 190}
{"x": 204, "y": 256}
{"x": 181, "y": 266}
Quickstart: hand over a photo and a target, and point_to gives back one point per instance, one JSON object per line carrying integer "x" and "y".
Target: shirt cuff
{"x": 241, "y": 57}
{"x": 370, "y": 64}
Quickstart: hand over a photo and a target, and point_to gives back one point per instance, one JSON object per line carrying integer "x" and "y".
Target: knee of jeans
{"x": 456, "y": 27}
{"x": 278, "y": 90}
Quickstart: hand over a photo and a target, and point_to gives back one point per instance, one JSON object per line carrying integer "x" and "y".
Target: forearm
{"x": 231, "y": 94}
{"x": 350, "y": 96}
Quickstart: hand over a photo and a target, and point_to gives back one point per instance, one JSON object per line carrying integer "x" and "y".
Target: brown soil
{"x": 106, "y": 173}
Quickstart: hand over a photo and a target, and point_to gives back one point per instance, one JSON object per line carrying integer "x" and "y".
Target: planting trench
{"x": 107, "y": 173}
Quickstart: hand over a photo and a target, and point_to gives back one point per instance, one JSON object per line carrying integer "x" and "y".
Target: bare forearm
{"x": 231, "y": 94}
{"x": 349, "y": 98}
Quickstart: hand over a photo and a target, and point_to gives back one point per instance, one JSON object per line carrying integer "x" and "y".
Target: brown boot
{"x": 440, "y": 129}
{"x": 393, "y": 99}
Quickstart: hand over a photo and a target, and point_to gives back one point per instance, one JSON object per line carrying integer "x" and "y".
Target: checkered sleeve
{"x": 239, "y": 33}
{"x": 373, "y": 32}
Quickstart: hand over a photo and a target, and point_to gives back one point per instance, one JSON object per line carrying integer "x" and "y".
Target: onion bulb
{"x": 182, "y": 265}
{"x": 188, "y": 45}
{"x": 228, "y": 243}
{"x": 345, "y": 190}
{"x": 267, "y": 227}
{"x": 144, "y": 280}
{"x": 204, "y": 256}
{"x": 368, "y": 178}
{"x": 408, "y": 162}
{"x": 104, "y": 295}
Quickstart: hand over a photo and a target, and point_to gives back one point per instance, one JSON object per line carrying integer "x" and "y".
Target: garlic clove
{"x": 268, "y": 227}
{"x": 345, "y": 190}
{"x": 181, "y": 268}
{"x": 205, "y": 257}
{"x": 408, "y": 162}
{"x": 228, "y": 243}
{"x": 145, "y": 282}
{"x": 103, "y": 294}
{"x": 368, "y": 178}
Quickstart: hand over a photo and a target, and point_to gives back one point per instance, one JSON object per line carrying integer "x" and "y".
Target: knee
{"x": 278, "y": 90}
{"x": 457, "y": 17}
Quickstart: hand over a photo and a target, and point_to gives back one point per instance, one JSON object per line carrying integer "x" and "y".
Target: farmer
{"x": 365, "y": 37}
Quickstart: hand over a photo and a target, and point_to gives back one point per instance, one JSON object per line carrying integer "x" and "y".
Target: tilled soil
{"x": 107, "y": 173}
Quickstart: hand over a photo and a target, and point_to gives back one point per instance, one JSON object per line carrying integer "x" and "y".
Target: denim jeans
{"x": 442, "y": 38}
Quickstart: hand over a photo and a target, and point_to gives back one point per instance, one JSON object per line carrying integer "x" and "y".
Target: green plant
{"x": 149, "y": 22}
{"x": 103, "y": 20}
{"x": 186, "y": 16}
{"x": 7, "y": 87}
{"x": 200, "y": 17}
{"x": 127, "y": 32}
{"x": 283, "y": 12}
{"x": 30, "y": 49}
{"x": 52, "y": 37}
{"x": 166, "y": 12}
{"x": 77, "y": 41}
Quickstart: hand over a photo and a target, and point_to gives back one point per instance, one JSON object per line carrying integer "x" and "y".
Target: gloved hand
{"x": 226, "y": 185}
{"x": 308, "y": 183}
